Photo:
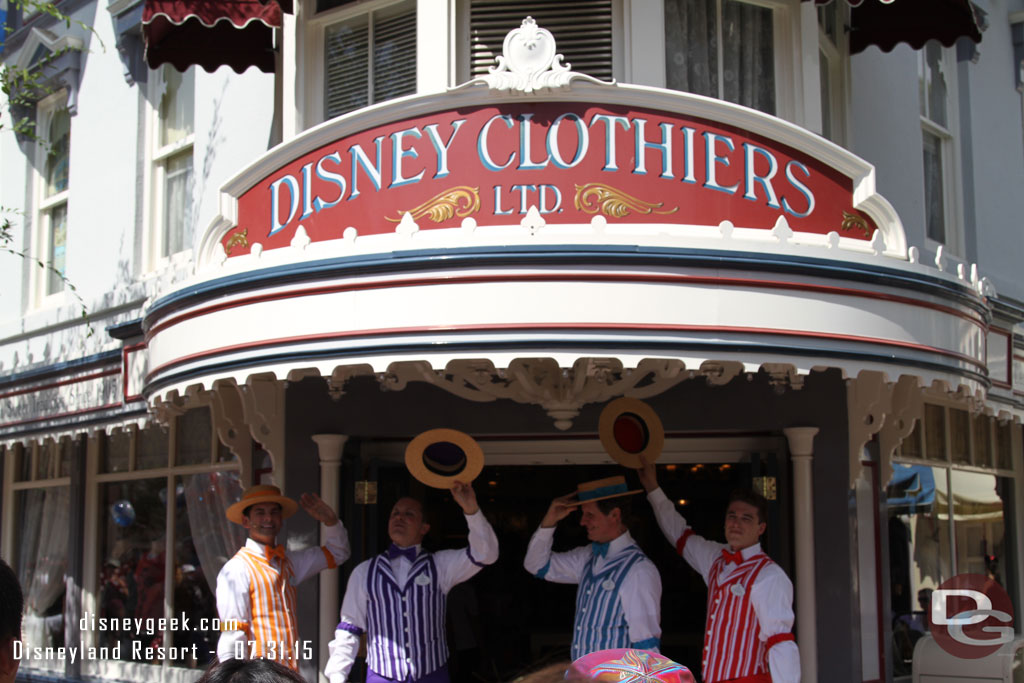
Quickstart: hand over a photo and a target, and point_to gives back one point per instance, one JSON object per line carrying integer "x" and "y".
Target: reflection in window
{"x": 370, "y": 58}
{"x": 722, "y": 49}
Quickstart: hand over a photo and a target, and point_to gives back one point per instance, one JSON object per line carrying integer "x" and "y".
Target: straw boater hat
{"x": 263, "y": 493}
{"x": 599, "y": 489}
{"x": 631, "y": 432}
{"x": 440, "y": 457}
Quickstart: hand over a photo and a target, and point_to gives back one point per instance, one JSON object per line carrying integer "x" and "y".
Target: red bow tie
{"x": 276, "y": 551}
{"x": 735, "y": 558}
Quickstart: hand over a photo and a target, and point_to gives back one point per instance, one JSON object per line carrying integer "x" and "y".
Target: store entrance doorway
{"x": 504, "y": 621}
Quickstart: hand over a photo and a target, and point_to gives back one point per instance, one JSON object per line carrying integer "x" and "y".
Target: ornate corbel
{"x": 868, "y": 399}
{"x": 228, "y": 418}
{"x": 263, "y": 408}
{"x": 907, "y": 409}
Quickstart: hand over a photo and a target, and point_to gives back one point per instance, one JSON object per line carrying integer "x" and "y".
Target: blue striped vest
{"x": 600, "y": 620}
{"x": 405, "y": 626}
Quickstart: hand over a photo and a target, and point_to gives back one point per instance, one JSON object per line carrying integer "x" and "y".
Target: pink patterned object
{"x": 624, "y": 665}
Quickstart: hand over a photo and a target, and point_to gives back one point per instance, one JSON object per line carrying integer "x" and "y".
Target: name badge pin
{"x": 738, "y": 590}
{"x": 422, "y": 580}
{"x": 608, "y": 585}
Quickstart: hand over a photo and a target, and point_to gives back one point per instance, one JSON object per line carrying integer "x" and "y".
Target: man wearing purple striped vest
{"x": 398, "y": 597}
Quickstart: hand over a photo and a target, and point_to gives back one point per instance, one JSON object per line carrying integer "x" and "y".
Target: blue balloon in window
{"x": 123, "y": 513}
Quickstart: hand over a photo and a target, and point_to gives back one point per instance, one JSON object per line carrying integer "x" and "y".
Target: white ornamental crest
{"x": 529, "y": 62}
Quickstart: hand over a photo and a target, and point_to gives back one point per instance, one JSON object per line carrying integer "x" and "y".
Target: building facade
{"x": 273, "y": 242}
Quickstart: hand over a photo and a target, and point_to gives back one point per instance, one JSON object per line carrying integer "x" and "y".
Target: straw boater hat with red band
{"x": 631, "y": 432}
{"x": 263, "y": 493}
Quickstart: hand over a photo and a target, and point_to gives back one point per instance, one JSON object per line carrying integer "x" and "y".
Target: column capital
{"x": 801, "y": 440}
{"x": 330, "y": 446}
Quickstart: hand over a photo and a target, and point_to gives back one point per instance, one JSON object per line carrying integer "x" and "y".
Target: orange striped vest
{"x": 272, "y": 605}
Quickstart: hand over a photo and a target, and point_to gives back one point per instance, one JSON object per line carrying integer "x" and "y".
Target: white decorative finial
{"x": 528, "y": 62}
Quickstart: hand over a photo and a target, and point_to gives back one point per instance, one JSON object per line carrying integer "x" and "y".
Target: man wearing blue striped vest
{"x": 618, "y": 602}
{"x": 398, "y": 597}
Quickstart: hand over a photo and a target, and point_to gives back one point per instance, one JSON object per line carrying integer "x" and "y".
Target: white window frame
{"x": 45, "y": 205}
{"x": 33, "y": 450}
{"x": 836, "y": 55}
{"x": 313, "y": 41}
{"x": 645, "y": 51}
{"x": 125, "y": 669}
{"x": 950, "y": 151}
{"x": 157, "y": 157}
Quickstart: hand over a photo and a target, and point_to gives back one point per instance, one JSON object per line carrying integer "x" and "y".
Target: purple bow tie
{"x": 408, "y": 553}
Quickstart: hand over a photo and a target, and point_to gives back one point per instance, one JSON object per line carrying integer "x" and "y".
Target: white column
{"x": 330, "y": 447}
{"x": 801, "y": 450}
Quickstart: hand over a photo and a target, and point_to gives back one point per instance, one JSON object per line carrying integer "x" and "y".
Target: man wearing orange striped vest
{"x": 747, "y": 635}
{"x": 256, "y": 587}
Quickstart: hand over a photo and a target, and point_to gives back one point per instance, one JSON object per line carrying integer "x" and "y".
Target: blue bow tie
{"x": 408, "y": 553}
{"x": 600, "y": 549}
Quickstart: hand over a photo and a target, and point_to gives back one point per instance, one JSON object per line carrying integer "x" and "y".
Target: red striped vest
{"x": 732, "y": 635}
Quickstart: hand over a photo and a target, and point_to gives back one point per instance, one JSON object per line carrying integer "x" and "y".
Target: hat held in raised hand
{"x": 631, "y": 432}
{"x": 440, "y": 457}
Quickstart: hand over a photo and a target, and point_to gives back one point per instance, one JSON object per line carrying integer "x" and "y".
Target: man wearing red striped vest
{"x": 256, "y": 587}
{"x": 747, "y": 635}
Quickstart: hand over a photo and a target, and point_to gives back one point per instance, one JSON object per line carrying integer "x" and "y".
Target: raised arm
{"x": 456, "y": 566}
{"x": 557, "y": 567}
{"x": 334, "y": 551}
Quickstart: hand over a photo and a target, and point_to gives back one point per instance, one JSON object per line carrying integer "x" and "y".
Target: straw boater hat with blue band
{"x": 599, "y": 489}
{"x": 631, "y": 432}
{"x": 440, "y": 457}
{"x": 263, "y": 493}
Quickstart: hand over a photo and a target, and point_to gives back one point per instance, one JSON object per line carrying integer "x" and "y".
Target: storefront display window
{"x": 944, "y": 521}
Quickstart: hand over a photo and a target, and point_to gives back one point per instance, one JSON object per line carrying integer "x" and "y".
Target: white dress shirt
{"x": 233, "y": 581}
{"x": 453, "y": 567}
{"x": 771, "y": 595}
{"x": 639, "y": 593}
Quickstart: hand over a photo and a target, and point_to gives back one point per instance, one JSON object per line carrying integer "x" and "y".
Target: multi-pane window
{"x": 172, "y": 157}
{"x": 831, "y": 50}
{"x": 948, "y": 509}
{"x": 55, "y": 139}
{"x": 937, "y": 139}
{"x": 723, "y": 49}
{"x": 369, "y": 58}
{"x": 41, "y": 519}
{"x": 162, "y": 494}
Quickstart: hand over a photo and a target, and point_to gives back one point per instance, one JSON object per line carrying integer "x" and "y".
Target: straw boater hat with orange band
{"x": 263, "y": 493}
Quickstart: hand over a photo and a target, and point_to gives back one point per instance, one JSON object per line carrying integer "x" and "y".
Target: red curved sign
{"x": 571, "y": 161}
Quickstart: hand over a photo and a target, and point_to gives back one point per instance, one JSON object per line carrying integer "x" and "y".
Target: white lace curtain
{"x": 207, "y": 497}
{"x": 43, "y": 562}
{"x": 692, "y": 51}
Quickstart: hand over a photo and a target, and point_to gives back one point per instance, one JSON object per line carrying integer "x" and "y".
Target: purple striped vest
{"x": 405, "y": 626}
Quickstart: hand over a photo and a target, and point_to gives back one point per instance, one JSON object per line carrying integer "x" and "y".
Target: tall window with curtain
{"x": 54, "y": 127}
{"x": 41, "y": 491}
{"x": 934, "y": 71}
{"x": 723, "y": 49}
{"x": 172, "y": 157}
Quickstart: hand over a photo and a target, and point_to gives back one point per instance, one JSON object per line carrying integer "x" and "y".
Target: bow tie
{"x": 276, "y": 551}
{"x": 735, "y": 558}
{"x": 600, "y": 549}
{"x": 408, "y": 553}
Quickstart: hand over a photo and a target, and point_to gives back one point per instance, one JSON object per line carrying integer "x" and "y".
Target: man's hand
{"x": 559, "y": 509}
{"x": 648, "y": 477}
{"x": 316, "y": 508}
{"x": 465, "y": 496}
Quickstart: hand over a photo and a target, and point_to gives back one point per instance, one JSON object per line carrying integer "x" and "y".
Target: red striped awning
{"x": 886, "y": 23}
{"x": 212, "y": 33}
